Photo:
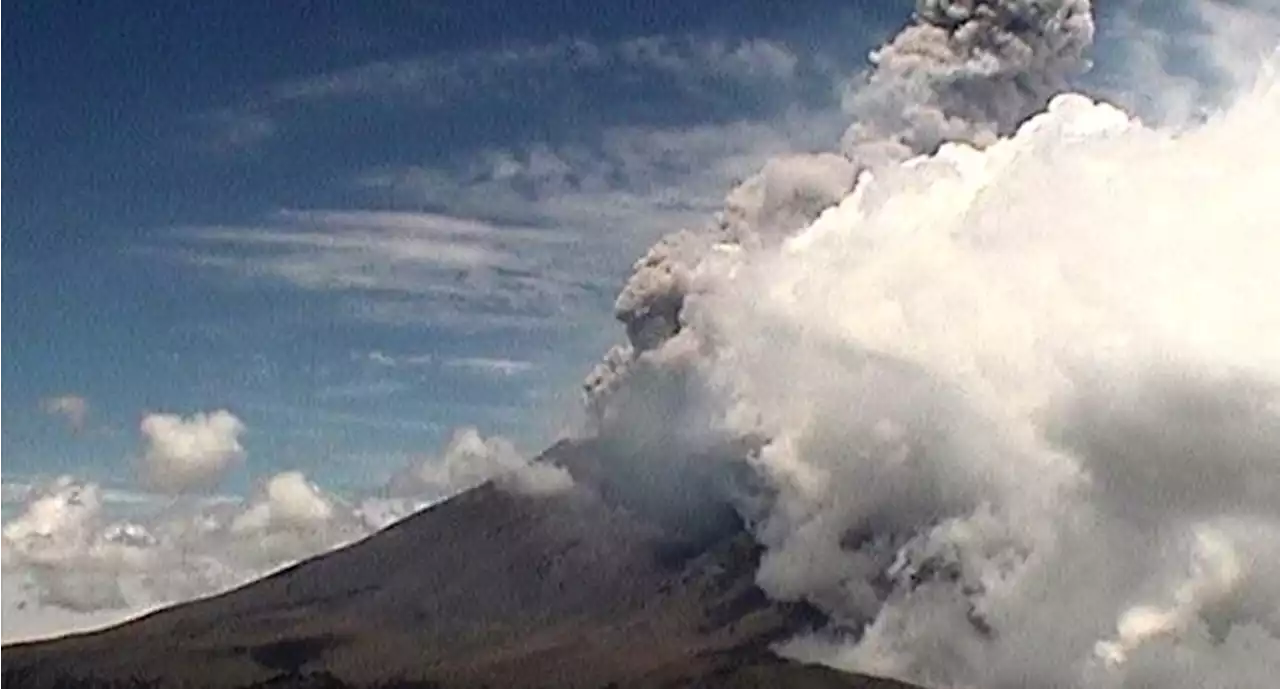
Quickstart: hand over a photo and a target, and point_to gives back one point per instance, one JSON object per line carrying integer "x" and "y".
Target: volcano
{"x": 588, "y": 588}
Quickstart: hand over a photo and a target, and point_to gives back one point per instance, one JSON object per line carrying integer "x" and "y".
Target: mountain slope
{"x": 487, "y": 589}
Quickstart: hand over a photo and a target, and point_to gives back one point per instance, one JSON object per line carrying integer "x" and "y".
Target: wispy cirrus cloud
{"x": 508, "y": 238}
{"x": 436, "y": 79}
{"x": 491, "y": 365}
{"x": 636, "y": 181}
{"x": 533, "y": 233}
{"x": 363, "y": 390}
{"x": 501, "y": 366}
{"x": 447, "y": 270}
{"x": 383, "y": 359}
{"x": 566, "y": 74}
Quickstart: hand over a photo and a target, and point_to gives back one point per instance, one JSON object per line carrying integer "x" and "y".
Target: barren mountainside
{"x": 489, "y": 589}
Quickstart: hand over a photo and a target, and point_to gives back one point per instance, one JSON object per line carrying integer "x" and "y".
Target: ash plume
{"x": 961, "y": 71}
{"x": 1006, "y": 367}
{"x": 965, "y": 71}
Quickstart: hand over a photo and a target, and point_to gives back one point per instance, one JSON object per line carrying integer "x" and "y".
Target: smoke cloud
{"x": 965, "y": 71}
{"x": 961, "y": 71}
{"x": 191, "y": 453}
{"x": 1007, "y": 369}
{"x": 1023, "y": 405}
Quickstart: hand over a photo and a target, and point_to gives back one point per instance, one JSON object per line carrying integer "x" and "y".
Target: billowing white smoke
{"x": 962, "y": 71}
{"x": 191, "y": 453}
{"x": 1017, "y": 401}
{"x": 1023, "y": 405}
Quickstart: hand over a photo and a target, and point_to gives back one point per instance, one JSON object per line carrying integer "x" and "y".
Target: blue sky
{"x": 358, "y": 226}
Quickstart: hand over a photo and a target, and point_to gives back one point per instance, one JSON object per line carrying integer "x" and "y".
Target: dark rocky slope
{"x": 489, "y": 589}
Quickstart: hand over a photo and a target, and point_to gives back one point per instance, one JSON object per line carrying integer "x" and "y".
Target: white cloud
{"x": 363, "y": 390}
{"x": 442, "y": 78}
{"x": 189, "y": 453}
{"x": 605, "y": 203}
{"x": 492, "y": 365}
{"x": 746, "y": 61}
{"x": 382, "y": 359}
{"x": 469, "y": 459}
{"x": 312, "y": 418}
{"x": 289, "y": 519}
{"x": 692, "y": 66}
{"x": 287, "y": 501}
{"x": 60, "y": 535}
{"x": 74, "y": 409}
{"x": 475, "y": 263}
{"x": 78, "y": 555}
{"x": 25, "y": 617}
{"x": 450, "y": 271}
{"x": 634, "y": 184}
{"x": 77, "y": 561}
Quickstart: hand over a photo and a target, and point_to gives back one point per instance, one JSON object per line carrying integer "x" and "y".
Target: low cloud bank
{"x": 73, "y": 559}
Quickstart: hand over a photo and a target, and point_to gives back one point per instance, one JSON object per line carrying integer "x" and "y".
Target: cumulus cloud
{"x": 287, "y": 500}
{"x": 71, "y": 557}
{"x": 291, "y": 518}
{"x": 61, "y": 536}
{"x": 189, "y": 453}
{"x": 469, "y": 459}
{"x": 74, "y": 409}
